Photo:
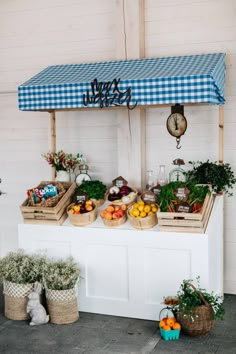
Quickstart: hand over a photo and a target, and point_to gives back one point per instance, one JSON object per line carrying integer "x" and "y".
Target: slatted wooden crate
{"x": 187, "y": 222}
{"x": 49, "y": 215}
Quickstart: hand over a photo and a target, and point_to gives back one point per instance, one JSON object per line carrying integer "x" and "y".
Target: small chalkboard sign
{"x": 156, "y": 189}
{"x": 119, "y": 182}
{"x": 80, "y": 197}
{"x": 149, "y": 197}
{"x": 183, "y": 208}
{"x": 182, "y": 193}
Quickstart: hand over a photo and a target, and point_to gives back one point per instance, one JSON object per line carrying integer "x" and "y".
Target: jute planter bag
{"x": 62, "y": 306}
{"x": 15, "y": 297}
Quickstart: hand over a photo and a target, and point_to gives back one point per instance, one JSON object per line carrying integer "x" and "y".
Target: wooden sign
{"x": 108, "y": 94}
{"x": 156, "y": 189}
{"x": 183, "y": 208}
{"x": 149, "y": 197}
{"x": 182, "y": 193}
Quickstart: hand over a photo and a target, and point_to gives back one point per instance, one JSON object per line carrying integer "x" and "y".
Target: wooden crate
{"x": 187, "y": 222}
{"x": 49, "y": 215}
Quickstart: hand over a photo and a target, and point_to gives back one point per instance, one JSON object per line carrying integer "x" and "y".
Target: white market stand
{"x": 124, "y": 271}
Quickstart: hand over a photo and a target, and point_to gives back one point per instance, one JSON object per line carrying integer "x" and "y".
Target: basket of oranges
{"x": 114, "y": 215}
{"x": 142, "y": 215}
{"x": 169, "y": 328}
{"x": 82, "y": 213}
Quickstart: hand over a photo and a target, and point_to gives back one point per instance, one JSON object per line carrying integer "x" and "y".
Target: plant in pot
{"x": 60, "y": 280}
{"x": 197, "y": 309}
{"x": 220, "y": 176}
{"x": 95, "y": 189}
{"x": 18, "y": 273}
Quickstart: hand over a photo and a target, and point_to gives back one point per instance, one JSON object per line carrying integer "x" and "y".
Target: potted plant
{"x": 60, "y": 280}
{"x": 95, "y": 189}
{"x": 197, "y": 309}
{"x": 64, "y": 163}
{"x": 220, "y": 176}
{"x": 18, "y": 273}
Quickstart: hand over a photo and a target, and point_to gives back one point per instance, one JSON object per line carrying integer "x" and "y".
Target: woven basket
{"x": 115, "y": 222}
{"x": 203, "y": 318}
{"x": 142, "y": 223}
{"x": 15, "y": 298}
{"x": 62, "y": 306}
{"x": 82, "y": 219}
{"x": 52, "y": 201}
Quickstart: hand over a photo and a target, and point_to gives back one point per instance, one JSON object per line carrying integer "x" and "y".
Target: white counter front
{"x": 126, "y": 272}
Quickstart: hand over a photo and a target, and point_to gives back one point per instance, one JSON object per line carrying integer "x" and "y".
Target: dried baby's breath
{"x": 61, "y": 274}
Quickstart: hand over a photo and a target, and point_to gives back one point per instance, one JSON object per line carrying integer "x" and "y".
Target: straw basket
{"x": 98, "y": 202}
{"x": 82, "y": 219}
{"x": 130, "y": 202}
{"x": 115, "y": 222}
{"x": 62, "y": 306}
{"x": 142, "y": 223}
{"x": 15, "y": 298}
{"x": 52, "y": 201}
{"x": 203, "y": 318}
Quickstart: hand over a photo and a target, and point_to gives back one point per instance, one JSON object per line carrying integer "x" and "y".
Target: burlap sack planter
{"x": 62, "y": 306}
{"x": 15, "y": 298}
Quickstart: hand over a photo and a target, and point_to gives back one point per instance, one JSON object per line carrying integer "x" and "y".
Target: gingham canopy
{"x": 170, "y": 80}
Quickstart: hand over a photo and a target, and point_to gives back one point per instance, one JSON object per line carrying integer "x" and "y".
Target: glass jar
{"x": 162, "y": 176}
{"x": 149, "y": 180}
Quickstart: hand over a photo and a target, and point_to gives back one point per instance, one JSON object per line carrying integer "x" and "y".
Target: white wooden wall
{"x": 35, "y": 34}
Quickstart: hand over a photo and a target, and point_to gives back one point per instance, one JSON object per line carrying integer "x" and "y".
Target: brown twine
{"x": 63, "y": 312}
{"x": 15, "y": 308}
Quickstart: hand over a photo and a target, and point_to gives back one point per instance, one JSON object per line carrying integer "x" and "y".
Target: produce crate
{"x": 49, "y": 215}
{"x": 187, "y": 222}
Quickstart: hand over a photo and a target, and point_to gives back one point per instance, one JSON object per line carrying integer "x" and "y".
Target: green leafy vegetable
{"x": 95, "y": 189}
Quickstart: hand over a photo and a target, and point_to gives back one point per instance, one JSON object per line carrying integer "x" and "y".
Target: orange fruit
{"x": 162, "y": 324}
{"x": 110, "y": 208}
{"x": 167, "y": 328}
{"x": 176, "y": 325}
{"x": 170, "y": 322}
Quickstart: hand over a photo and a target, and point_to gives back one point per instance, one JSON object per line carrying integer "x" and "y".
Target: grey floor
{"x": 101, "y": 334}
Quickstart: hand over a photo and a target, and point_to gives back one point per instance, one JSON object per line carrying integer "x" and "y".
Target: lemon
{"x": 135, "y": 206}
{"x": 150, "y": 213}
{"x": 154, "y": 209}
{"x": 147, "y": 208}
{"x": 135, "y": 212}
{"x": 140, "y": 207}
{"x": 141, "y": 202}
{"x": 143, "y": 214}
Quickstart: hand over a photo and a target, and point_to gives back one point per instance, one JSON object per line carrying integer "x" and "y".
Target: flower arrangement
{"x": 61, "y": 274}
{"x": 62, "y": 161}
{"x": 189, "y": 300}
{"x": 21, "y": 268}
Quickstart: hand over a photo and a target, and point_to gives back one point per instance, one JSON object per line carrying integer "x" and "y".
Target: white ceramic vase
{"x": 63, "y": 176}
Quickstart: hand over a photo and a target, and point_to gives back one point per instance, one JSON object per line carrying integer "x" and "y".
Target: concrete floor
{"x": 101, "y": 334}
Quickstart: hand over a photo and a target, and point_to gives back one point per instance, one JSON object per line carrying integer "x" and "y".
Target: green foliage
{"x": 220, "y": 176}
{"x": 189, "y": 299}
{"x": 21, "y": 268}
{"x": 95, "y": 189}
{"x": 167, "y": 196}
{"x": 61, "y": 274}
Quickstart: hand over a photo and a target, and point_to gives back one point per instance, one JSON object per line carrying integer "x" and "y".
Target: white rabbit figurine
{"x": 35, "y": 309}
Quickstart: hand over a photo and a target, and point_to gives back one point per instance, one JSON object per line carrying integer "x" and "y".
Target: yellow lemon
{"x": 154, "y": 209}
{"x": 143, "y": 214}
{"x": 141, "y": 202}
{"x": 135, "y": 206}
{"x": 150, "y": 213}
{"x": 153, "y": 205}
{"x": 140, "y": 207}
{"x": 147, "y": 208}
{"x": 135, "y": 212}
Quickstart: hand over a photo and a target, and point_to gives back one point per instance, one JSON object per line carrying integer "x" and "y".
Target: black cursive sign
{"x": 108, "y": 94}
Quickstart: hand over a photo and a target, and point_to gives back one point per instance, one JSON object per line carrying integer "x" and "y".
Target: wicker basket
{"x": 203, "y": 321}
{"x": 15, "y": 298}
{"x": 115, "y": 222}
{"x": 82, "y": 219}
{"x": 62, "y": 306}
{"x": 142, "y": 223}
{"x": 120, "y": 202}
{"x": 52, "y": 201}
{"x": 98, "y": 202}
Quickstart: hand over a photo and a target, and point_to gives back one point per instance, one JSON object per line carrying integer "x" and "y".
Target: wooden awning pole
{"x": 221, "y": 134}
{"x": 53, "y": 139}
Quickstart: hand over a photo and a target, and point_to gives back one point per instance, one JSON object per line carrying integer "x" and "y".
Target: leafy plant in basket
{"x": 94, "y": 188}
{"x": 220, "y": 176}
{"x": 197, "y": 309}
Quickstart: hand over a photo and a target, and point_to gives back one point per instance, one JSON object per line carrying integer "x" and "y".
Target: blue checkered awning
{"x": 185, "y": 79}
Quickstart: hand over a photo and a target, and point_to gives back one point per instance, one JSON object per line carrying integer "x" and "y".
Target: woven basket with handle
{"x": 203, "y": 320}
